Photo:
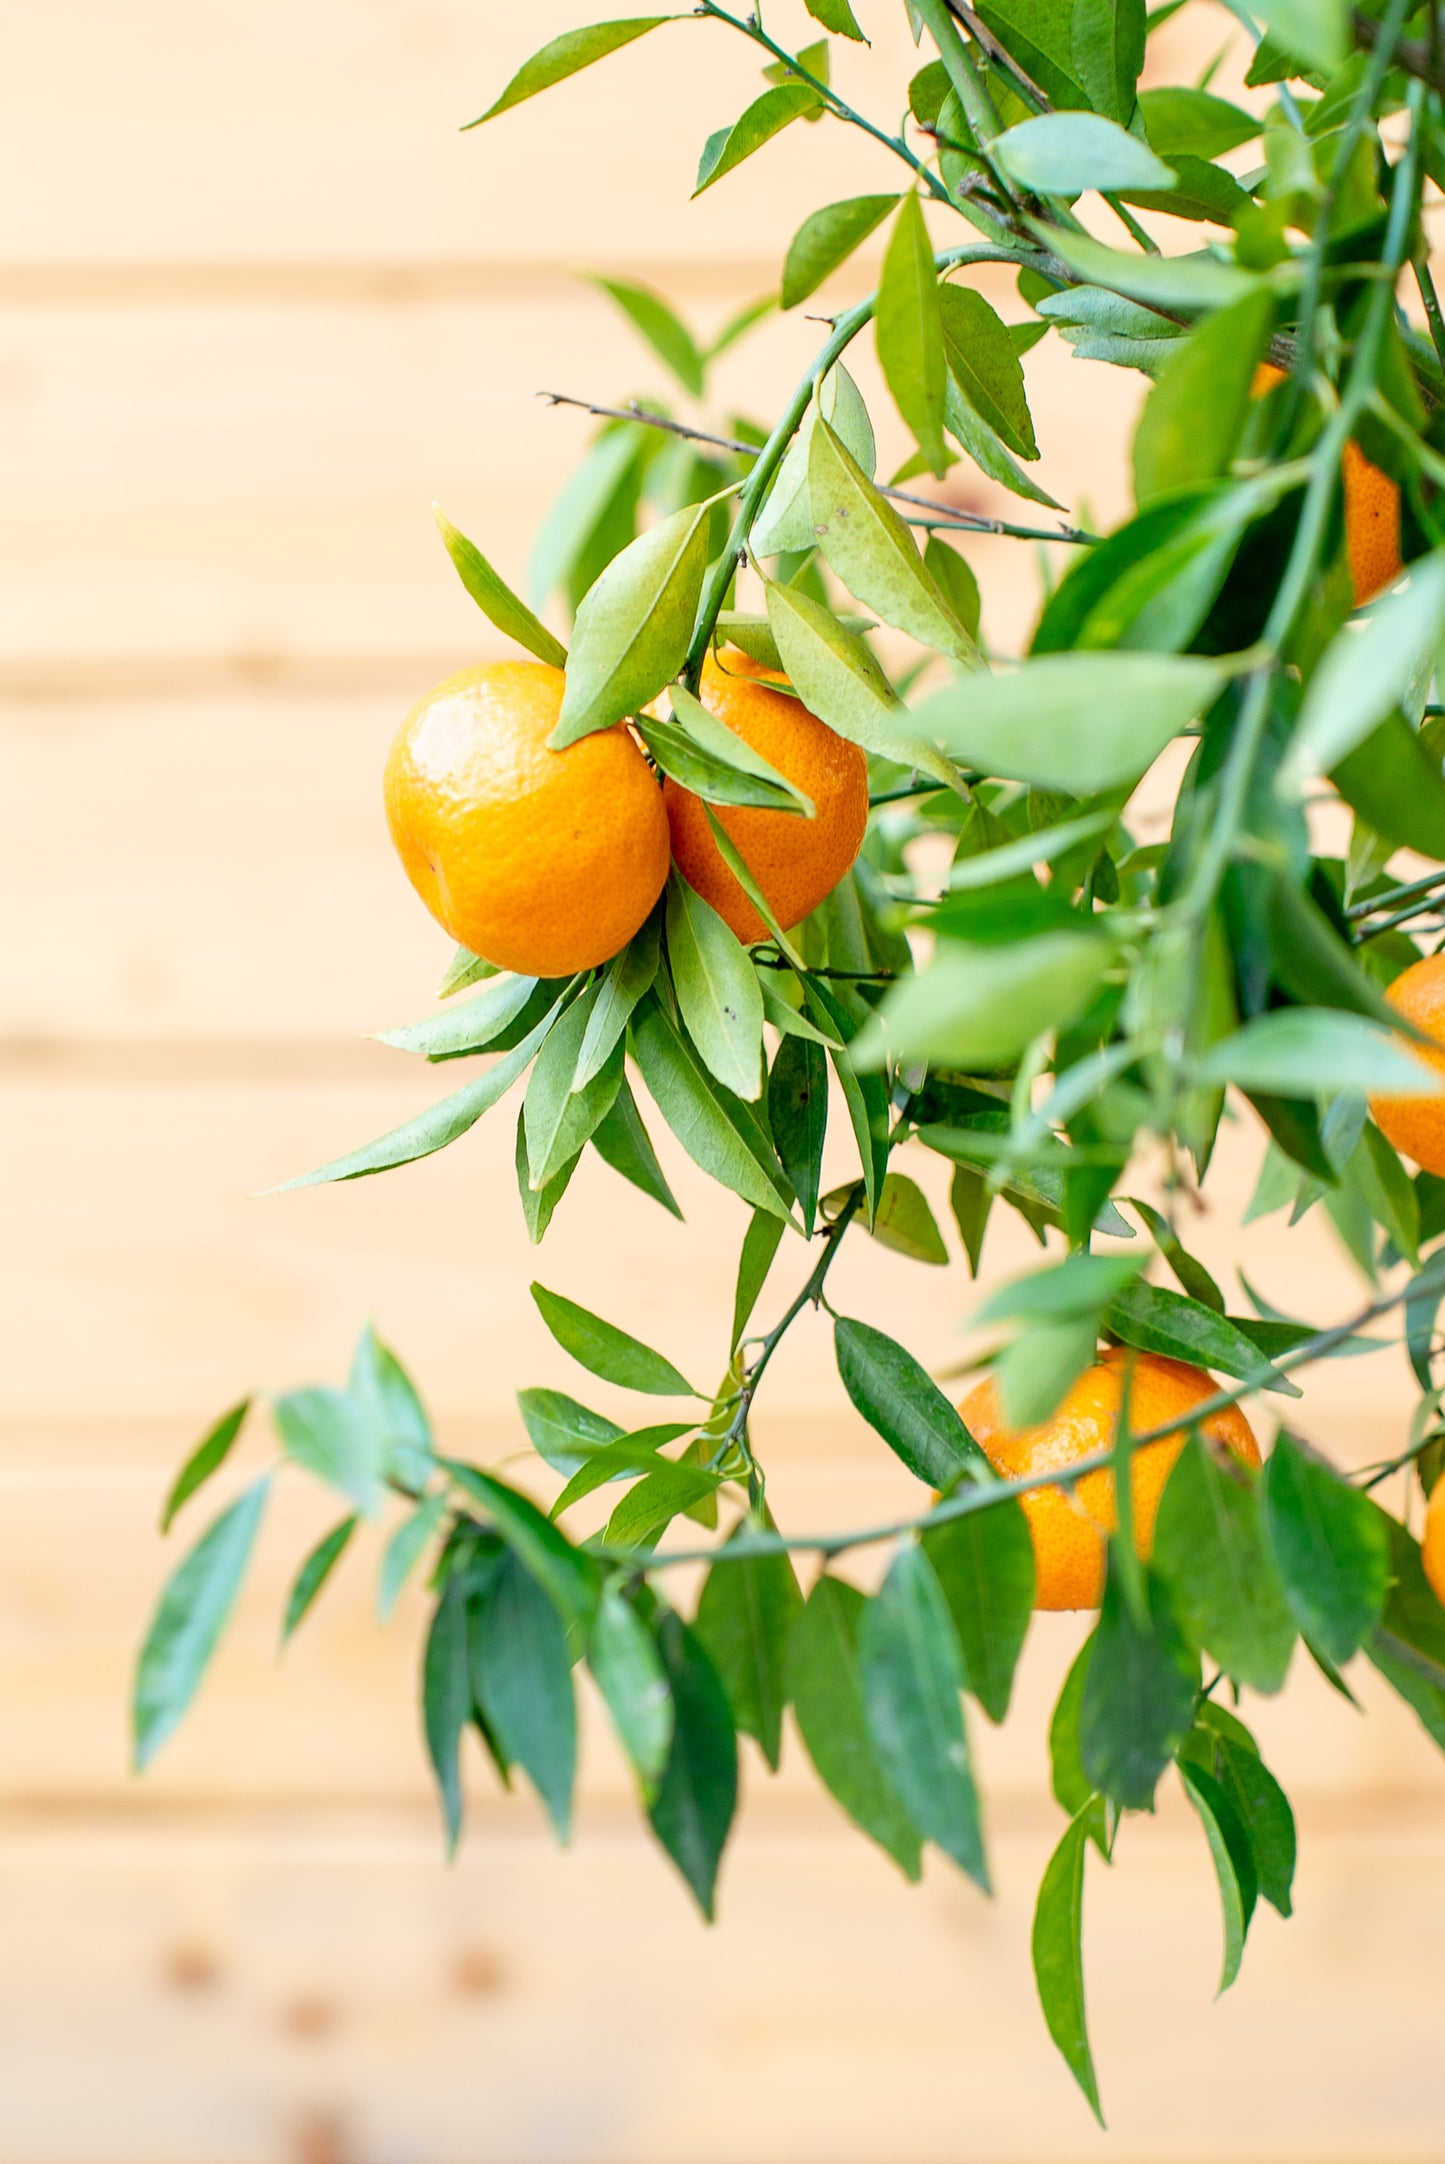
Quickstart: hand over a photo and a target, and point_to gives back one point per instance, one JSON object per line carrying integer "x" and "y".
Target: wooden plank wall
{"x": 260, "y": 302}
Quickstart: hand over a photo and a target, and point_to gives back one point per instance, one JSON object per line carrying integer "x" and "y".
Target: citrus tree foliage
{"x": 1079, "y": 1000}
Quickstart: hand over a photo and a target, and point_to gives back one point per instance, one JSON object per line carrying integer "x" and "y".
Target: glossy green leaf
{"x": 1224, "y": 1747}
{"x": 404, "y": 1551}
{"x": 209, "y": 1455}
{"x": 628, "y": 975}
{"x": 766, "y": 117}
{"x": 1157, "y": 1320}
{"x": 316, "y": 1568}
{"x": 1365, "y": 673}
{"x": 702, "y": 1121}
{"x": 633, "y": 628}
{"x": 1029, "y": 726}
{"x": 826, "y": 1690}
{"x": 607, "y": 1351}
{"x": 1138, "y": 1696}
{"x": 661, "y": 1495}
{"x": 953, "y": 576}
{"x": 711, "y": 760}
{"x": 867, "y": 544}
{"x": 1058, "y": 1950}
{"x": 760, "y": 1245}
{"x": 1233, "y": 1863}
{"x": 1395, "y": 784}
{"x": 465, "y": 969}
{"x": 1314, "y": 1051}
{"x": 1064, "y": 153}
{"x": 334, "y": 1437}
{"x": 1192, "y": 420}
{"x": 976, "y": 1007}
{"x": 909, "y": 331}
{"x": 1316, "y": 31}
{"x": 827, "y": 238}
{"x": 521, "y": 1674}
{"x": 717, "y": 990}
{"x": 697, "y": 1796}
{"x": 985, "y": 367}
{"x": 494, "y": 597}
{"x": 1210, "y": 1550}
{"x": 191, "y": 1614}
{"x": 912, "y": 1678}
{"x": 1194, "y": 122}
{"x": 837, "y": 678}
{"x": 666, "y": 333}
{"x": 564, "y": 1572}
{"x": 559, "y": 1116}
{"x": 837, "y": 16}
{"x": 905, "y": 1222}
{"x": 988, "y": 452}
{"x": 623, "y": 1142}
{"x": 564, "y": 1433}
{"x": 1183, "y": 282}
{"x": 1408, "y": 1646}
{"x": 627, "y": 1669}
{"x": 477, "y": 1023}
{"x": 1330, "y": 1547}
{"x": 446, "y": 1695}
{"x": 985, "y": 1564}
{"x": 902, "y": 1402}
{"x": 786, "y": 521}
{"x": 798, "y": 1117}
{"x": 745, "y": 1619}
{"x": 565, "y": 55}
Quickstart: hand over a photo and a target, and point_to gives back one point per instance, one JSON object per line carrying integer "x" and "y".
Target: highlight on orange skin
{"x": 1416, "y": 1124}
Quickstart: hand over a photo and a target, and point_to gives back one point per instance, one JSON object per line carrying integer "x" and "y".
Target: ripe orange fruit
{"x": 1069, "y": 1525}
{"x": 540, "y": 861}
{"x": 1416, "y": 1125}
{"x": 1372, "y": 511}
{"x": 796, "y": 862}
{"x": 1432, "y": 1551}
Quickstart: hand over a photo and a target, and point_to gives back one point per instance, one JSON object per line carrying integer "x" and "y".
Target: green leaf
{"x": 786, "y": 522}
{"x": 565, "y": 55}
{"x": 985, "y": 367}
{"x": 909, "y": 331}
{"x": 758, "y": 124}
{"x": 744, "y": 1619}
{"x": 1192, "y": 420}
{"x": 837, "y": 16}
{"x": 1009, "y": 859}
{"x": 867, "y": 544}
{"x": 1408, "y": 1648}
{"x": 521, "y": 1675}
{"x": 1210, "y": 1549}
{"x": 623, "y": 1459}
{"x": 985, "y": 1564}
{"x": 700, "y": 1119}
{"x": 627, "y": 977}
{"x": 953, "y": 576}
{"x": 209, "y": 1455}
{"x": 986, "y": 450}
{"x": 624, "y": 1143}
{"x": 1224, "y": 1747}
{"x": 1065, "y": 153}
{"x": 826, "y": 239}
{"x": 564, "y": 1572}
{"x": 837, "y": 678}
{"x": 760, "y": 1244}
{"x": 607, "y": 1351}
{"x": 1233, "y": 1863}
{"x": 633, "y": 627}
{"x": 1314, "y": 1051}
{"x": 1194, "y": 122}
{"x": 1058, "y": 1950}
{"x": 702, "y": 753}
{"x": 439, "y": 1125}
{"x": 404, "y": 1551}
{"x": 446, "y": 1694}
{"x": 332, "y": 1436}
{"x": 380, "y": 1384}
{"x": 912, "y": 1677}
{"x": 593, "y": 515}
{"x": 1185, "y": 282}
{"x": 1157, "y": 1320}
{"x": 1331, "y": 1549}
{"x": 668, "y": 336}
{"x": 693, "y": 1809}
{"x": 905, "y": 1223}
{"x": 1026, "y": 726}
{"x": 464, "y": 969}
{"x": 190, "y": 1616}
{"x": 315, "y": 1569}
{"x": 1315, "y": 31}
{"x": 1071, "y": 1785}
{"x": 627, "y": 1668}
{"x": 717, "y": 990}
{"x": 494, "y": 597}
{"x": 559, "y": 1114}
{"x": 1364, "y": 674}
{"x": 477, "y": 1023}
{"x": 902, "y": 1402}
{"x": 1138, "y": 1696}
{"x": 798, "y": 1118}
{"x": 1394, "y": 784}
{"x": 826, "y": 1690}
{"x": 648, "y": 1509}
{"x": 975, "y": 1007}
{"x": 564, "y": 1433}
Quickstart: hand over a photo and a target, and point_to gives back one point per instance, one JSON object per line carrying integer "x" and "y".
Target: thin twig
{"x": 979, "y": 31}
{"x": 948, "y": 517}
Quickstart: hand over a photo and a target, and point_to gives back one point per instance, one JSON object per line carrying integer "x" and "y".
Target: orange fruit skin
{"x": 1416, "y": 1125}
{"x": 1432, "y": 1548}
{"x": 1372, "y": 512}
{"x": 796, "y": 862}
{"x": 1070, "y": 1525}
{"x": 540, "y": 861}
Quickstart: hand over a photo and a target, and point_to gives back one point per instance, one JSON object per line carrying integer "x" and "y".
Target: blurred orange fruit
{"x": 1416, "y": 1125}
{"x": 1432, "y": 1551}
{"x": 796, "y": 862}
{"x": 1070, "y": 1525}
{"x": 1372, "y": 511}
{"x": 540, "y": 861}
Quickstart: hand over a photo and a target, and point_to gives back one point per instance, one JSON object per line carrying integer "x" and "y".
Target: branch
{"x": 948, "y": 517}
{"x": 1411, "y": 55}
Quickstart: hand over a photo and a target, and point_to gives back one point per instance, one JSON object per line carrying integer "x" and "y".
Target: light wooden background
{"x": 260, "y": 302}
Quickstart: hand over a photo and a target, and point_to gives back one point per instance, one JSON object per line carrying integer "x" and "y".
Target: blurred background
{"x": 260, "y": 302}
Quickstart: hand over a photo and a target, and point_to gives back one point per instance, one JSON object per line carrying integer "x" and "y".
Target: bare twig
{"x": 979, "y": 31}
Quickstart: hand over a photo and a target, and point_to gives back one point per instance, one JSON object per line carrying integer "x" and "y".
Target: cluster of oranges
{"x": 547, "y": 862}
